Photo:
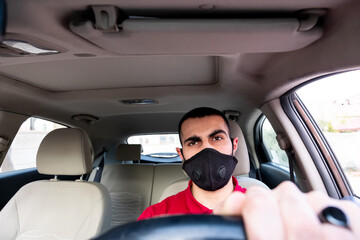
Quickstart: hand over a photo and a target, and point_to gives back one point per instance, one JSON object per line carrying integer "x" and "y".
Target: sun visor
{"x": 199, "y": 36}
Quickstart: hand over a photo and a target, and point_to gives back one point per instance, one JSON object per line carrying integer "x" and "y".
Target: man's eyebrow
{"x": 217, "y": 132}
{"x": 192, "y": 138}
{"x": 197, "y": 138}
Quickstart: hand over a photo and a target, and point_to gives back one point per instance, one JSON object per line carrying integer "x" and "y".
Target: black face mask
{"x": 210, "y": 169}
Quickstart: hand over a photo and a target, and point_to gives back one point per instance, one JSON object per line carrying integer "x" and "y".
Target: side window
{"x": 272, "y": 147}
{"x": 334, "y": 103}
{"x": 23, "y": 149}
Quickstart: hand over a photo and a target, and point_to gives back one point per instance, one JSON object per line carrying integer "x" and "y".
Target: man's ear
{"x": 179, "y": 152}
{"x": 235, "y": 142}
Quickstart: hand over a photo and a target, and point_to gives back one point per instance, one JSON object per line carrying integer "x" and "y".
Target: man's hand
{"x": 287, "y": 213}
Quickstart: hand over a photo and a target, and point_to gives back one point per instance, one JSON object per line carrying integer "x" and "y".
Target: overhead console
{"x": 137, "y": 35}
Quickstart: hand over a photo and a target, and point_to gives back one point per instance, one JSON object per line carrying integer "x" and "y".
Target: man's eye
{"x": 217, "y": 138}
{"x": 192, "y": 143}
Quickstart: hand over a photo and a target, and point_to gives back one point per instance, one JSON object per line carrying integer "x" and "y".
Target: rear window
{"x": 157, "y": 146}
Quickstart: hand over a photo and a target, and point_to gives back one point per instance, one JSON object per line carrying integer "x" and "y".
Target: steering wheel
{"x": 185, "y": 227}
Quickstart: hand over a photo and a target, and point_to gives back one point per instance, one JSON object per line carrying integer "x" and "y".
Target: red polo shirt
{"x": 181, "y": 203}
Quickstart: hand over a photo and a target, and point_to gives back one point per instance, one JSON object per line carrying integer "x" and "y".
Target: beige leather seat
{"x": 176, "y": 185}
{"x": 56, "y": 209}
{"x": 129, "y": 185}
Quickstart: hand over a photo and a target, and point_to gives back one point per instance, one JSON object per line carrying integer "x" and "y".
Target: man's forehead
{"x": 203, "y": 125}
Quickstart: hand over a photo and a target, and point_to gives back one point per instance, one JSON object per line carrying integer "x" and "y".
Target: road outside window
{"x": 334, "y": 103}
{"x": 23, "y": 149}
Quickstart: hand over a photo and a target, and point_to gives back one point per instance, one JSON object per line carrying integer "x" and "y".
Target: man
{"x": 208, "y": 158}
{"x": 284, "y": 213}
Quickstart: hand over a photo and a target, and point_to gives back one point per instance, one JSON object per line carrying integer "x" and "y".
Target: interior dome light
{"x": 27, "y": 47}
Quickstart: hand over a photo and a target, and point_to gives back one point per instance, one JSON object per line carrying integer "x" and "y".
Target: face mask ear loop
{"x": 181, "y": 150}
{"x": 232, "y": 146}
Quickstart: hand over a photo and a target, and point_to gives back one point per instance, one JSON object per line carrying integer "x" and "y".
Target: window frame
{"x": 261, "y": 148}
{"x": 315, "y": 142}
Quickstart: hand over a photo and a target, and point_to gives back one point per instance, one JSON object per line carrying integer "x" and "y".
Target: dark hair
{"x": 200, "y": 113}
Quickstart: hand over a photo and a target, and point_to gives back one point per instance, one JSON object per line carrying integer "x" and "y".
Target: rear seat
{"x": 134, "y": 187}
{"x": 130, "y": 185}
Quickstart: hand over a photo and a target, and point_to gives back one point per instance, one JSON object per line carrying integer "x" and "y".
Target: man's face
{"x": 206, "y": 132}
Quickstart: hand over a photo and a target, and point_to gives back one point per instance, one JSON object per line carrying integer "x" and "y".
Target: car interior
{"x": 110, "y": 70}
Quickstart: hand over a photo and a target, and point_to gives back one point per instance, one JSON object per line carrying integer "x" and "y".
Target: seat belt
{"x": 285, "y": 145}
{"x": 291, "y": 156}
{"x": 96, "y": 173}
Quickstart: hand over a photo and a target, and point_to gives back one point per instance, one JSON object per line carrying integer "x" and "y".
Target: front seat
{"x": 56, "y": 209}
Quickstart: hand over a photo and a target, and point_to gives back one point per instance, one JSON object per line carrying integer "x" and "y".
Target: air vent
{"x": 139, "y": 101}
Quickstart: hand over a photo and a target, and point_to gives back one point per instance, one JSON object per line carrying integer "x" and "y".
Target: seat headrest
{"x": 65, "y": 151}
{"x": 128, "y": 152}
{"x": 242, "y": 155}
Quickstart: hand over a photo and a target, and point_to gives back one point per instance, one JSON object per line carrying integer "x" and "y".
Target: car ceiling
{"x": 231, "y": 55}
